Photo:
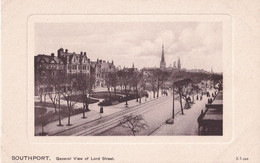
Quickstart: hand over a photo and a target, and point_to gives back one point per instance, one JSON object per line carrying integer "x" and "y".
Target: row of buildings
{"x": 74, "y": 63}
{"x": 69, "y": 63}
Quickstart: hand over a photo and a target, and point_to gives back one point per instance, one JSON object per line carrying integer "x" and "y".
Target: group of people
{"x": 199, "y": 97}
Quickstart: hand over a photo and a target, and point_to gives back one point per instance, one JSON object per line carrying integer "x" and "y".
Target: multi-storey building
{"x": 100, "y": 68}
{"x": 45, "y": 67}
{"x": 70, "y": 63}
{"x": 74, "y": 63}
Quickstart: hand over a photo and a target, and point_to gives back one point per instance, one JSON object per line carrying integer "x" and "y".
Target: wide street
{"x": 155, "y": 112}
{"x": 157, "y": 115}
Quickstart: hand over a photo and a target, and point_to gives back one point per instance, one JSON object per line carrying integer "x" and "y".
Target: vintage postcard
{"x": 147, "y": 76}
{"x": 117, "y": 87}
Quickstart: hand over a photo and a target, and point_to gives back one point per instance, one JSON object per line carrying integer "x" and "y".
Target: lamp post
{"x": 173, "y": 101}
{"x": 171, "y": 120}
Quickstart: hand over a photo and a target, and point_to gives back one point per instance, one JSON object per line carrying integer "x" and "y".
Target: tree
{"x": 53, "y": 84}
{"x": 134, "y": 123}
{"x": 56, "y": 83}
{"x": 179, "y": 88}
{"x": 152, "y": 79}
{"x": 40, "y": 113}
{"x": 217, "y": 80}
{"x": 43, "y": 90}
{"x": 111, "y": 81}
{"x": 114, "y": 80}
{"x": 83, "y": 85}
{"x": 194, "y": 89}
{"x": 68, "y": 95}
{"x": 42, "y": 84}
{"x": 137, "y": 78}
{"x": 126, "y": 78}
{"x": 162, "y": 76}
{"x": 142, "y": 87}
{"x": 119, "y": 75}
{"x": 107, "y": 78}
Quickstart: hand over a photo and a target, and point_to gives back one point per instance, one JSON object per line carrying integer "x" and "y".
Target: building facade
{"x": 67, "y": 63}
{"x": 99, "y": 70}
{"x": 45, "y": 67}
{"x": 74, "y": 63}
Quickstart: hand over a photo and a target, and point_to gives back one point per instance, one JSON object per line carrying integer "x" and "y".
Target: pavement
{"x": 186, "y": 124}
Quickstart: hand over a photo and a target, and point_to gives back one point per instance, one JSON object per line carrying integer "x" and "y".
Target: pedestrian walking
{"x": 101, "y": 109}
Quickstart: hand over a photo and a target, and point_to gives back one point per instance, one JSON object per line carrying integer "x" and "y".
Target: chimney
{"x": 60, "y": 53}
{"x": 66, "y": 51}
{"x": 81, "y": 53}
{"x": 85, "y": 54}
{"x": 52, "y": 55}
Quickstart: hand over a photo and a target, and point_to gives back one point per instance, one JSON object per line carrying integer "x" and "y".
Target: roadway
{"x": 155, "y": 113}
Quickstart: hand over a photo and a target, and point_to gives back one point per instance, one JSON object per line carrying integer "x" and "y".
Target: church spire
{"x": 162, "y": 63}
{"x": 162, "y": 59}
{"x": 179, "y": 63}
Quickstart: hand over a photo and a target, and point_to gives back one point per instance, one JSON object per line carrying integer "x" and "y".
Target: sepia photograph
{"x": 128, "y": 79}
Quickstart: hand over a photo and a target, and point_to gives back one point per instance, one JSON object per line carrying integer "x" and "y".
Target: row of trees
{"x": 138, "y": 82}
{"x": 77, "y": 87}
{"x": 72, "y": 88}
{"x": 126, "y": 80}
{"x": 184, "y": 84}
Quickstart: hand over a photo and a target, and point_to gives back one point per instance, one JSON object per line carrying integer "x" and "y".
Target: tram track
{"x": 113, "y": 122}
{"x": 97, "y": 123}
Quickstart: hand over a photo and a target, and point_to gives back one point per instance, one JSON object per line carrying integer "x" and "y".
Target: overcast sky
{"x": 199, "y": 45}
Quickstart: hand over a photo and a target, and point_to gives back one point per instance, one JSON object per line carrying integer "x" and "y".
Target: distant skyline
{"x": 199, "y": 45}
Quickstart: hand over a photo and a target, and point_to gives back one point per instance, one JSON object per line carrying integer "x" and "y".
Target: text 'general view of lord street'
{"x": 136, "y": 79}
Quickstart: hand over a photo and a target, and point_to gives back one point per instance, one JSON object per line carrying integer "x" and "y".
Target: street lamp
{"x": 171, "y": 120}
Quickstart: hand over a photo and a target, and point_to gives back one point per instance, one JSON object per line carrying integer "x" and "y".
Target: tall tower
{"x": 174, "y": 64}
{"x": 162, "y": 63}
{"x": 179, "y": 63}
